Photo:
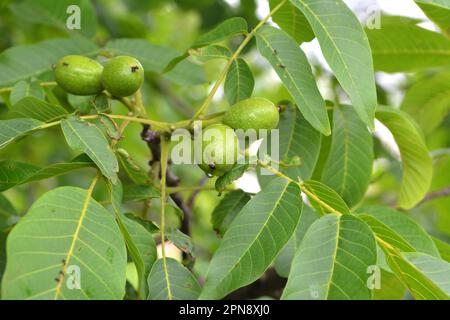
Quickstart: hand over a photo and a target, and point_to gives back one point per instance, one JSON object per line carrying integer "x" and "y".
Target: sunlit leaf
{"x": 428, "y": 101}
{"x": 346, "y": 49}
{"x": 407, "y": 47}
{"x": 416, "y": 161}
{"x": 443, "y": 248}
{"x": 438, "y": 11}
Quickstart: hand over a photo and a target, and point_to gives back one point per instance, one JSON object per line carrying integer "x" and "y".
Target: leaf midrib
{"x": 75, "y": 236}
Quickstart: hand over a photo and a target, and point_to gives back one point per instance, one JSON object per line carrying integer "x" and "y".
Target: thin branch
{"x": 223, "y": 75}
{"x": 164, "y": 158}
{"x": 435, "y": 195}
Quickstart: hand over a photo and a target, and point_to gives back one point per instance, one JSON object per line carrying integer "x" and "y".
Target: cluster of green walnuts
{"x": 122, "y": 76}
{"x": 250, "y": 114}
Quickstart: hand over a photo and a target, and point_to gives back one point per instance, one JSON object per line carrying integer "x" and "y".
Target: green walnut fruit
{"x": 123, "y": 76}
{"x": 253, "y": 113}
{"x": 79, "y": 75}
{"x": 220, "y": 148}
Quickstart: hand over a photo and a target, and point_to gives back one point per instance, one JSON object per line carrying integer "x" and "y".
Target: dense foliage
{"x": 94, "y": 206}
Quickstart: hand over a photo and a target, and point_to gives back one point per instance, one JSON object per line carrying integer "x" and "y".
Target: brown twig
{"x": 435, "y": 194}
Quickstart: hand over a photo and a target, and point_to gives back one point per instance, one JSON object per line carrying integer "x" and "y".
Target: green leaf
{"x": 407, "y": 47}
{"x": 397, "y": 229}
{"x": 24, "y": 89}
{"x": 391, "y": 287}
{"x": 443, "y": 248}
{"x": 2, "y": 254}
{"x": 438, "y": 11}
{"x": 144, "y": 192}
{"x": 102, "y": 103}
{"x": 239, "y": 82}
{"x": 254, "y": 238}
{"x": 226, "y": 179}
{"x": 13, "y": 173}
{"x": 8, "y": 214}
{"x": 88, "y": 138}
{"x": 428, "y": 101}
{"x": 22, "y": 62}
{"x": 332, "y": 260}
{"x": 111, "y": 128}
{"x": 139, "y": 241}
{"x": 292, "y": 20}
{"x": 416, "y": 161}
{"x": 227, "y": 210}
{"x": 323, "y": 198}
{"x": 136, "y": 173}
{"x": 147, "y": 224}
{"x": 210, "y": 52}
{"x": 292, "y": 66}
{"x": 297, "y": 138}
{"x": 225, "y": 30}
{"x": 182, "y": 283}
{"x": 425, "y": 276}
{"x": 65, "y": 230}
{"x": 154, "y": 58}
{"x": 56, "y": 14}
{"x": 11, "y": 130}
{"x": 346, "y": 49}
{"x": 349, "y": 165}
{"x": 143, "y": 246}
{"x": 140, "y": 192}
{"x": 180, "y": 240}
{"x": 31, "y": 107}
{"x": 284, "y": 259}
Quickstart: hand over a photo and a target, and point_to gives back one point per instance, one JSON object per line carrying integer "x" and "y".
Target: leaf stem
{"x": 164, "y": 160}
{"x": 192, "y": 188}
{"x": 139, "y": 104}
{"x": 235, "y": 55}
{"x": 302, "y": 186}
{"x": 42, "y": 84}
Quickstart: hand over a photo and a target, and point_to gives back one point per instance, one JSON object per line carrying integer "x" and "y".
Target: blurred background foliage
{"x": 171, "y": 26}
